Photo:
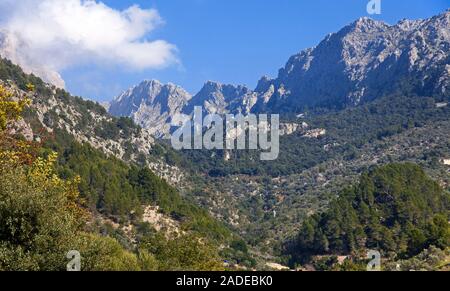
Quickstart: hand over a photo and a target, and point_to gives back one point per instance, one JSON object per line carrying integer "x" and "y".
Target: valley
{"x": 363, "y": 164}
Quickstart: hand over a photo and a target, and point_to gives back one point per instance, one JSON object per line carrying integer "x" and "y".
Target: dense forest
{"x": 116, "y": 189}
{"x": 395, "y": 209}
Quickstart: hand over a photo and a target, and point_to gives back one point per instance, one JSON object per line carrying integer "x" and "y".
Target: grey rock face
{"x": 151, "y": 105}
{"x": 218, "y": 98}
{"x": 365, "y": 60}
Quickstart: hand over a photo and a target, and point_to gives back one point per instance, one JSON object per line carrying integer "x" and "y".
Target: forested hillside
{"x": 368, "y": 95}
{"x": 98, "y": 201}
{"x": 395, "y": 209}
{"x": 311, "y": 171}
{"x": 146, "y": 203}
{"x": 364, "y": 142}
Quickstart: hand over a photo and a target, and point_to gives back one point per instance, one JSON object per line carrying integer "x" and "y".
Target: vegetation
{"x": 41, "y": 221}
{"x": 348, "y": 131}
{"x": 183, "y": 253}
{"x": 431, "y": 259}
{"x": 311, "y": 172}
{"x": 43, "y": 216}
{"x": 103, "y": 184}
{"x": 395, "y": 209}
{"x": 118, "y": 190}
{"x": 13, "y": 73}
{"x": 238, "y": 254}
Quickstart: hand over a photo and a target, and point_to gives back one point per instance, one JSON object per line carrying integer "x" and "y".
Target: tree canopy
{"x": 395, "y": 208}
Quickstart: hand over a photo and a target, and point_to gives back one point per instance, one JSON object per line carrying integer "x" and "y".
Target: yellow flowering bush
{"x": 12, "y": 151}
{"x": 41, "y": 219}
{"x": 10, "y": 109}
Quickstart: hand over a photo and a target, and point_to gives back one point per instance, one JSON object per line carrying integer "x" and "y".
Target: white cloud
{"x": 64, "y": 33}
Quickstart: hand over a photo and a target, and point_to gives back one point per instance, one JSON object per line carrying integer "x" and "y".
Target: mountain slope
{"x": 365, "y": 60}
{"x": 393, "y": 78}
{"x": 380, "y": 93}
{"x": 120, "y": 196}
{"x": 309, "y": 172}
{"x": 219, "y": 98}
{"x": 395, "y": 208}
{"x": 151, "y": 105}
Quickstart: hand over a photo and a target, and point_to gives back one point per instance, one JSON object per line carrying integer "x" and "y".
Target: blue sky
{"x": 234, "y": 41}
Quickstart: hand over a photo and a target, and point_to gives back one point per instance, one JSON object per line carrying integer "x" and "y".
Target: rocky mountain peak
{"x": 367, "y": 24}
{"x": 211, "y": 86}
{"x": 151, "y": 104}
{"x": 216, "y": 97}
{"x": 355, "y": 65}
{"x": 149, "y": 92}
{"x": 263, "y": 84}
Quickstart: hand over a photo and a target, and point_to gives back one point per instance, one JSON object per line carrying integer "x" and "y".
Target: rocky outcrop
{"x": 365, "y": 60}
{"x": 151, "y": 105}
{"x": 219, "y": 98}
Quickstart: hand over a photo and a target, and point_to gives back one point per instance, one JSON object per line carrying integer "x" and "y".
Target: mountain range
{"x": 369, "y": 117}
{"x": 151, "y": 105}
{"x": 365, "y": 60}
